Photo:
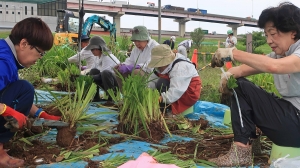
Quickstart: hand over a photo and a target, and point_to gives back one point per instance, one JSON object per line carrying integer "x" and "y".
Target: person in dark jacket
{"x": 27, "y": 42}
{"x": 170, "y": 42}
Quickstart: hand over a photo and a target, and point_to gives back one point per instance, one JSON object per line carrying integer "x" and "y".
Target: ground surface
{"x": 44, "y": 153}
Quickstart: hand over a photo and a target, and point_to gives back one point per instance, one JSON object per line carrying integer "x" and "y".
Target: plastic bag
{"x": 285, "y": 162}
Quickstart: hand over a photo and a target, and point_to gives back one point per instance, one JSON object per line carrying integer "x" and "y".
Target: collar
{"x": 12, "y": 48}
{"x": 292, "y": 48}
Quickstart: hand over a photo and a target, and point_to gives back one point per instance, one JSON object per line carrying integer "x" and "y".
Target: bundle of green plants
{"x": 73, "y": 109}
{"x": 68, "y": 76}
{"x": 139, "y": 111}
{"x": 54, "y": 60}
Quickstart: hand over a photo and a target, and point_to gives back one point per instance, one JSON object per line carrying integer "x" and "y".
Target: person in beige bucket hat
{"x": 103, "y": 74}
{"x": 140, "y": 55}
{"x": 176, "y": 78}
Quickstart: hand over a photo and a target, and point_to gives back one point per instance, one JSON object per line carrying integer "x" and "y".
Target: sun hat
{"x": 139, "y": 33}
{"x": 161, "y": 55}
{"x": 97, "y": 42}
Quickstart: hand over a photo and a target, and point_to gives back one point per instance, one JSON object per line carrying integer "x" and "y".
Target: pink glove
{"x": 123, "y": 68}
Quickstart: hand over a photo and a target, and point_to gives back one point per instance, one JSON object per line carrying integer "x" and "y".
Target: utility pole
{"x": 159, "y": 20}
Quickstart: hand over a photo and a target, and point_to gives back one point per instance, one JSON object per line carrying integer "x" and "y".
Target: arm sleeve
{"x": 129, "y": 60}
{"x": 180, "y": 78}
{"x": 73, "y": 59}
{"x": 172, "y": 46}
{"x": 234, "y": 40}
{"x": 152, "y": 81}
{"x": 5, "y": 74}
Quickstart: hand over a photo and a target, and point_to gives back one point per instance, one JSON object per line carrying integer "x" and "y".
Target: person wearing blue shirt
{"x": 27, "y": 42}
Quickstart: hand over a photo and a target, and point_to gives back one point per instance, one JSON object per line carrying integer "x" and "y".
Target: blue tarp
{"x": 213, "y": 112}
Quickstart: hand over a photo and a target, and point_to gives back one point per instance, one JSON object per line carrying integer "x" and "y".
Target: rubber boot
{"x": 8, "y": 161}
{"x": 236, "y": 157}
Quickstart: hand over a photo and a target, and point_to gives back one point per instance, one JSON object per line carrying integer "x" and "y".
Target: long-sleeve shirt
{"x": 87, "y": 55}
{"x": 107, "y": 62}
{"x": 142, "y": 57}
{"x": 9, "y": 64}
{"x": 230, "y": 42}
{"x": 186, "y": 43}
{"x": 180, "y": 78}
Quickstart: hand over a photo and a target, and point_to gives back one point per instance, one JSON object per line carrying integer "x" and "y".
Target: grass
{"x": 210, "y": 76}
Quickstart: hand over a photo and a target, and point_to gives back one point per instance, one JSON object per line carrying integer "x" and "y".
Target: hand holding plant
{"x": 227, "y": 83}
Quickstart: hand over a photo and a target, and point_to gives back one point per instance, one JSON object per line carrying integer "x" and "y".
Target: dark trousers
{"x": 162, "y": 85}
{"x": 277, "y": 118}
{"x": 106, "y": 80}
{"x": 19, "y": 96}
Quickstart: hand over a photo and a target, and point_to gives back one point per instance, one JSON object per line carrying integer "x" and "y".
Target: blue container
{"x": 192, "y": 10}
{"x": 203, "y": 11}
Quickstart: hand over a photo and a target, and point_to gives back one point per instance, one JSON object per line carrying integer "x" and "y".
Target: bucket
{"x": 227, "y": 118}
{"x": 282, "y": 151}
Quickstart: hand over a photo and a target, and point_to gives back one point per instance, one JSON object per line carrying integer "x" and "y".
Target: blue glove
{"x": 123, "y": 68}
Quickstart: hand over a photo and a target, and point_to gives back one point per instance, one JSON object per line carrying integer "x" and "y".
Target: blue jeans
{"x": 18, "y": 95}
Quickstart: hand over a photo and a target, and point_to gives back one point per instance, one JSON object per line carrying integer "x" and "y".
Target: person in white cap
{"x": 104, "y": 76}
{"x": 175, "y": 77}
{"x": 170, "y": 42}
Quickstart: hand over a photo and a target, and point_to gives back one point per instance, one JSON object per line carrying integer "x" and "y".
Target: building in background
{"x": 12, "y": 11}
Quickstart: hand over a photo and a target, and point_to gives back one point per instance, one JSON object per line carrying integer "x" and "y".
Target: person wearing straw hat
{"x": 85, "y": 55}
{"x": 278, "y": 117}
{"x": 104, "y": 75}
{"x": 140, "y": 55}
{"x": 175, "y": 77}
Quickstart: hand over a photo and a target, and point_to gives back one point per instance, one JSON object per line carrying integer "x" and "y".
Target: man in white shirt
{"x": 140, "y": 56}
{"x": 104, "y": 75}
{"x": 86, "y": 55}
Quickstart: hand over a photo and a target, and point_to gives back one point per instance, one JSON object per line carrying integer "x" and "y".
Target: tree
{"x": 197, "y": 36}
{"x": 258, "y": 39}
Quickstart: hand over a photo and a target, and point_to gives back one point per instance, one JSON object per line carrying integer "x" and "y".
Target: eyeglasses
{"x": 41, "y": 53}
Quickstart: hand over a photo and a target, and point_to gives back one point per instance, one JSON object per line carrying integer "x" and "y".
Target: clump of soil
{"x": 65, "y": 136}
{"x": 156, "y": 131}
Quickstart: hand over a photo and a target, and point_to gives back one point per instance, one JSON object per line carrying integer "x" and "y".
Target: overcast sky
{"x": 238, "y": 8}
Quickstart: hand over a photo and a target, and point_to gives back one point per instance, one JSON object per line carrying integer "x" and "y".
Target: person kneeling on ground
{"x": 278, "y": 118}
{"x": 175, "y": 77}
{"x": 104, "y": 75}
{"x": 139, "y": 57}
{"x": 85, "y": 55}
{"x": 27, "y": 42}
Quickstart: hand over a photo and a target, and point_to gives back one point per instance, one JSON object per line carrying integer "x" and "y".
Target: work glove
{"x": 123, "y": 68}
{"x": 223, "y": 88}
{"x": 15, "y": 120}
{"x": 222, "y": 55}
{"x": 40, "y": 113}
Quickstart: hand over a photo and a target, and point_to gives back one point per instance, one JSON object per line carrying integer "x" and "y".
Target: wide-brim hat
{"x": 161, "y": 55}
{"x": 97, "y": 42}
{"x": 139, "y": 33}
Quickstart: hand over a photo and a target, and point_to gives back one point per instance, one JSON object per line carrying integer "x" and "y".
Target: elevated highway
{"x": 118, "y": 10}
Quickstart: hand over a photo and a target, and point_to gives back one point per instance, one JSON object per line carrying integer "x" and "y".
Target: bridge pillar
{"x": 117, "y": 21}
{"x": 181, "y": 26}
{"x": 234, "y": 28}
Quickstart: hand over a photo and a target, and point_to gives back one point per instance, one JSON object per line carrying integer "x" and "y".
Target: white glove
{"x": 222, "y": 55}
